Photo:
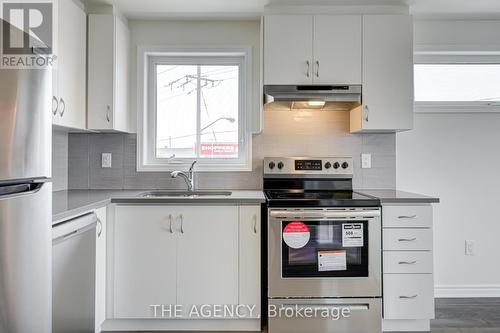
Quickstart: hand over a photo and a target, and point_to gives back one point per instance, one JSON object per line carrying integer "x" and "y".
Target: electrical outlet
{"x": 470, "y": 248}
{"x": 106, "y": 160}
{"x": 366, "y": 161}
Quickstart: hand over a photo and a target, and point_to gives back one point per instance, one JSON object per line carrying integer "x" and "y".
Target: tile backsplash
{"x": 59, "y": 160}
{"x": 305, "y": 133}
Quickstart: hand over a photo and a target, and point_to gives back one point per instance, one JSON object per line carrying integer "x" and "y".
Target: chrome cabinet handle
{"x": 408, "y": 297}
{"x": 317, "y": 68}
{"x": 99, "y": 229}
{"x": 407, "y": 216}
{"x": 367, "y": 113}
{"x": 170, "y": 220}
{"x": 407, "y": 239}
{"x": 308, "y": 68}
{"x": 108, "y": 111}
{"x": 61, "y": 101}
{"x": 255, "y": 223}
{"x": 54, "y": 108}
{"x": 407, "y": 262}
{"x": 182, "y": 223}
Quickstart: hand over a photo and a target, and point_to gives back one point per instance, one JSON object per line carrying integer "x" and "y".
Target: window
{"x": 457, "y": 87}
{"x": 457, "y": 82}
{"x": 195, "y": 109}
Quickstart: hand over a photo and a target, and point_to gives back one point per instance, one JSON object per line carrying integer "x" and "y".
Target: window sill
{"x": 458, "y": 107}
{"x": 200, "y": 167}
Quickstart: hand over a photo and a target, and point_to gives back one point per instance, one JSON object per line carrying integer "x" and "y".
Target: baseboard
{"x": 466, "y": 291}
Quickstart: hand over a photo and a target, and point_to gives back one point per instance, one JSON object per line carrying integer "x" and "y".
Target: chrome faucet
{"x": 187, "y": 176}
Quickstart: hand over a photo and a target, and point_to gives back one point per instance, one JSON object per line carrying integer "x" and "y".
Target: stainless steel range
{"x": 324, "y": 248}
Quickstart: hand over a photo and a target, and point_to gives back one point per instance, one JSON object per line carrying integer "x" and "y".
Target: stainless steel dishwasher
{"x": 73, "y": 275}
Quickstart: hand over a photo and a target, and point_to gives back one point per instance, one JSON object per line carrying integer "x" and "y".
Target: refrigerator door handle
{"x": 12, "y": 191}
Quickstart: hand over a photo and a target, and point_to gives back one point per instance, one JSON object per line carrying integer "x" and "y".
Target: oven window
{"x": 324, "y": 249}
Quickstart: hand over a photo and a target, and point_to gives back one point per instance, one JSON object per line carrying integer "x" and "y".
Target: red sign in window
{"x": 219, "y": 149}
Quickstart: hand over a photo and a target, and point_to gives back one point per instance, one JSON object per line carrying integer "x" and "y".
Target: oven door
{"x": 324, "y": 252}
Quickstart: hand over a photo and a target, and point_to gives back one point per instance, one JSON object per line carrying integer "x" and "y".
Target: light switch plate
{"x": 366, "y": 161}
{"x": 106, "y": 160}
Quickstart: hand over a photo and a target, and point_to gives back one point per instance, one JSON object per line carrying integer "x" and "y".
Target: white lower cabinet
{"x": 161, "y": 256}
{"x": 100, "y": 269}
{"x": 409, "y": 296}
{"x": 408, "y": 293}
{"x": 207, "y": 256}
{"x": 144, "y": 260}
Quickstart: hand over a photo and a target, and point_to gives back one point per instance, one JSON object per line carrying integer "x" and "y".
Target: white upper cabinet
{"x": 387, "y": 75}
{"x": 288, "y": 49}
{"x": 307, "y": 49}
{"x": 337, "y": 49}
{"x": 108, "y": 75}
{"x": 69, "y": 85}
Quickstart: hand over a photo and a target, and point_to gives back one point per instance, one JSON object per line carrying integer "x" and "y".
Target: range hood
{"x": 320, "y": 97}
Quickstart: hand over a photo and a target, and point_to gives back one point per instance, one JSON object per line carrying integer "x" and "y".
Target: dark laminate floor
{"x": 467, "y": 315}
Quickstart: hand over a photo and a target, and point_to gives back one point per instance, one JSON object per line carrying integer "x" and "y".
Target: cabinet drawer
{"x": 408, "y": 296}
{"x": 407, "y": 239}
{"x": 407, "y": 216}
{"x": 405, "y": 262}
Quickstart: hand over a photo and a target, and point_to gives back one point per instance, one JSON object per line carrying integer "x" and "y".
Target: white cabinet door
{"x": 100, "y": 269}
{"x": 337, "y": 49}
{"x": 387, "y": 74}
{"x": 249, "y": 261}
{"x": 108, "y": 76}
{"x": 207, "y": 255}
{"x": 71, "y": 66}
{"x": 145, "y": 259}
{"x": 288, "y": 49}
{"x": 101, "y": 64}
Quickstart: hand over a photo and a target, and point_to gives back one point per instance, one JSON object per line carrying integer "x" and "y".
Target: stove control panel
{"x": 309, "y": 166}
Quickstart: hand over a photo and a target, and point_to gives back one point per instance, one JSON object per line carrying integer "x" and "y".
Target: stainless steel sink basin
{"x": 185, "y": 194}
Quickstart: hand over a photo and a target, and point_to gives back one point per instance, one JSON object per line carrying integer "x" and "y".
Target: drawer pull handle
{"x": 407, "y": 217}
{"x": 407, "y": 262}
{"x": 407, "y": 239}
{"x": 408, "y": 297}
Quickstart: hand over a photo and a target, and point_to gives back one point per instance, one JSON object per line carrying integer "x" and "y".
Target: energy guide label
{"x": 352, "y": 235}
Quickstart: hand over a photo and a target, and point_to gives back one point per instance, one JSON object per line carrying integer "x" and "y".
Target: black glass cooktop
{"x": 295, "y": 198}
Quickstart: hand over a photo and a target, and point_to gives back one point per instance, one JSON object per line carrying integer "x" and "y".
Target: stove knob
{"x": 271, "y": 165}
{"x": 345, "y": 165}
{"x": 328, "y": 165}
{"x": 280, "y": 165}
{"x": 336, "y": 165}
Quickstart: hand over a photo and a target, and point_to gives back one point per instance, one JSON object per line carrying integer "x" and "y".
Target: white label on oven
{"x": 332, "y": 261}
{"x": 352, "y": 235}
{"x": 296, "y": 234}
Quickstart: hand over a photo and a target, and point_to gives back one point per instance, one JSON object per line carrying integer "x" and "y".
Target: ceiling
{"x": 253, "y": 8}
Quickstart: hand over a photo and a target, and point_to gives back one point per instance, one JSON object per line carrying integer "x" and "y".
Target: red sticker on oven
{"x": 296, "y": 234}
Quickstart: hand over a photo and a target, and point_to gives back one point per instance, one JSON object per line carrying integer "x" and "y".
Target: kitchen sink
{"x": 185, "y": 194}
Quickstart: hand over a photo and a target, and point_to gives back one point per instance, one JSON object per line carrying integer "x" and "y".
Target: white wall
{"x": 199, "y": 33}
{"x": 456, "y": 157}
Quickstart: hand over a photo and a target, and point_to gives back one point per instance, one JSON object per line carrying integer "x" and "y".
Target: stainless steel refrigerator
{"x": 25, "y": 201}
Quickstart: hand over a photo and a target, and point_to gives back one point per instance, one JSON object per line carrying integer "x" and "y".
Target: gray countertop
{"x": 395, "y": 196}
{"x": 70, "y": 203}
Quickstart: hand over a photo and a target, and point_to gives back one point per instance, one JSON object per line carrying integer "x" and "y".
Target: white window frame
{"x": 146, "y": 115}
{"x": 452, "y": 56}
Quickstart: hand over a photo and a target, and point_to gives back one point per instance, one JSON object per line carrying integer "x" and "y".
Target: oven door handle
{"x": 301, "y": 215}
{"x": 351, "y": 307}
